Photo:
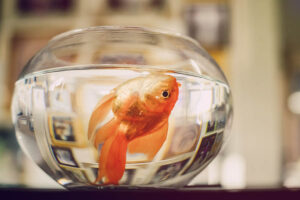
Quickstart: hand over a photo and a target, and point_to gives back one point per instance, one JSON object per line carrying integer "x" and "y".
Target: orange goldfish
{"x": 141, "y": 108}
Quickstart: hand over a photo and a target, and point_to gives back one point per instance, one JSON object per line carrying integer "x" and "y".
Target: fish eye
{"x": 165, "y": 94}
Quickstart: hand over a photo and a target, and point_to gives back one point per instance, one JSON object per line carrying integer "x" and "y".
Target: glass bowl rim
{"x": 193, "y": 44}
{"x": 157, "y": 31}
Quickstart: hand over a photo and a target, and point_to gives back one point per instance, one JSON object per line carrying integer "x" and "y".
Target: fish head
{"x": 159, "y": 93}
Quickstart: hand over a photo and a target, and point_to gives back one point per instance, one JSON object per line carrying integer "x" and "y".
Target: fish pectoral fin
{"x": 112, "y": 159}
{"x": 106, "y": 131}
{"x": 100, "y": 112}
{"x": 150, "y": 143}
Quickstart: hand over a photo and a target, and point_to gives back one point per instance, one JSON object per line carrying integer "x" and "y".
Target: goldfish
{"x": 141, "y": 108}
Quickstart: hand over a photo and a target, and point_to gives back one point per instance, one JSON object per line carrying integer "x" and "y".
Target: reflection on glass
{"x": 131, "y": 118}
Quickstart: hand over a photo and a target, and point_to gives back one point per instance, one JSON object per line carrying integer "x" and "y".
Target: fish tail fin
{"x": 103, "y": 159}
{"x": 149, "y": 144}
{"x": 113, "y": 159}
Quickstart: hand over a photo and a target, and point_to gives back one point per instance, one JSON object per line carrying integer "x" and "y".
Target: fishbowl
{"x": 121, "y": 107}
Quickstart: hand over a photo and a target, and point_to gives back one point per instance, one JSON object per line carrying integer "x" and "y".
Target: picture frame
{"x": 74, "y": 173}
{"x": 63, "y": 128}
{"x": 203, "y": 153}
{"x": 66, "y": 130}
{"x": 184, "y": 139}
{"x": 210, "y": 126}
{"x": 169, "y": 171}
{"x": 213, "y": 34}
{"x": 125, "y": 6}
{"x": 218, "y": 143}
{"x": 48, "y": 7}
{"x": 64, "y": 156}
{"x": 220, "y": 124}
{"x": 25, "y": 125}
{"x": 220, "y": 117}
{"x": 25, "y": 102}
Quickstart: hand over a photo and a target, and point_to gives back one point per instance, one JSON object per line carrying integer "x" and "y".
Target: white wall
{"x": 257, "y": 90}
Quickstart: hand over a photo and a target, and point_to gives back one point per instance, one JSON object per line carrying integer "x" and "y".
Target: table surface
{"x": 201, "y": 193}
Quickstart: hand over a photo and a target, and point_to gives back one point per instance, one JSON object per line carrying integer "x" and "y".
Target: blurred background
{"x": 255, "y": 42}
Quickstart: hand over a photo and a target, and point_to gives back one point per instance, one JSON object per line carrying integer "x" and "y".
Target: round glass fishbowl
{"x": 121, "y": 106}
